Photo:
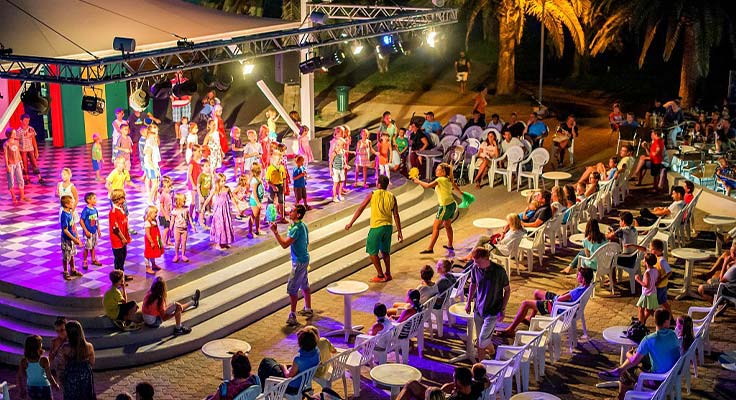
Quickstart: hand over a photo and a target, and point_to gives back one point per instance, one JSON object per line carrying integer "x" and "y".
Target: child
{"x": 116, "y": 304}
{"x": 182, "y": 132}
{"x": 69, "y": 239}
{"x": 285, "y": 163}
{"x": 648, "y": 301}
{"x": 165, "y": 203}
{"x": 34, "y": 373}
{"x": 337, "y": 171}
{"x": 580, "y": 191}
{"x": 363, "y": 150}
{"x": 348, "y": 139}
{"x": 402, "y": 147}
{"x": 265, "y": 145}
{"x": 626, "y": 235}
{"x": 221, "y": 229}
{"x": 379, "y": 310}
{"x": 124, "y": 146}
{"x": 413, "y": 307}
{"x": 119, "y": 231}
{"x": 426, "y": 289}
{"x": 221, "y": 130}
{"x": 153, "y": 247}
{"x": 384, "y": 156}
{"x": 252, "y": 151}
{"x": 156, "y": 310}
{"x": 528, "y": 213}
{"x": 275, "y": 175}
{"x": 684, "y": 332}
{"x": 300, "y": 182}
{"x": 304, "y": 148}
{"x": 143, "y": 135}
{"x": 55, "y": 351}
{"x": 192, "y": 140}
{"x": 90, "y": 226}
{"x": 180, "y": 221}
{"x": 14, "y": 164}
{"x": 240, "y": 195}
{"x": 326, "y": 351}
{"x": 257, "y": 193}
{"x": 443, "y": 185}
{"x": 67, "y": 188}
{"x": 193, "y": 171}
{"x": 97, "y": 156}
{"x": 204, "y": 185}
{"x": 118, "y": 179}
{"x": 152, "y": 158}
{"x": 116, "y": 128}
{"x": 271, "y": 118}
{"x": 237, "y": 148}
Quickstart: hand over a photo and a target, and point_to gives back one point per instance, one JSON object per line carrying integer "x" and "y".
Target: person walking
{"x": 383, "y": 206}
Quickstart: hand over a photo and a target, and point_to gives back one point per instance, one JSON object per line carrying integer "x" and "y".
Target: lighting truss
{"x": 365, "y": 22}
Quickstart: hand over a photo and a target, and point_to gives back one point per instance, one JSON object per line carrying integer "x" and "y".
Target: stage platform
{"x": 239, "y": 285}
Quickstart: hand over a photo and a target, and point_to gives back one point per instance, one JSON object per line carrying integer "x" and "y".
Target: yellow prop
{"x": 414, "y": 173}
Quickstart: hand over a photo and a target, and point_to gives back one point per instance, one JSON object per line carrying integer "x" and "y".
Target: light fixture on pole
{"x": 248, "y": 68}
{"x": 432, "y": 39}
{"x": 318, "y": 18}
{"x": 318, "y": 62}
{"x": 123, "y": 45}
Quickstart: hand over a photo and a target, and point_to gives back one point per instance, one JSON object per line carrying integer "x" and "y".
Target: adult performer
{"x": 383, "y": 206}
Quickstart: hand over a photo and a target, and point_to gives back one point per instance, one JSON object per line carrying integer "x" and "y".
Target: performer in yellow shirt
{"x": 443, "y": 186}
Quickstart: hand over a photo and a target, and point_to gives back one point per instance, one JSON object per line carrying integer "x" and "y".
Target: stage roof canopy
{"x": 94, "y": 23}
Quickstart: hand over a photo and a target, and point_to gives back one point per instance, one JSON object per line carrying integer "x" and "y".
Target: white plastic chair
{"x": 532, "y": 246}
{"x": 275, "y": 388}
{"x": 452, "y": 130}
{"x": 305, "y": 383}
{"x": 527, "y": 351}
{"x": 472, "y": 147}
{"x": 579, "y": 314}
{"x": 671, "y": 382}
{"x": 497, "y": 381}
{"x": 436, "y": 319}
{"x": 386, "y": 345}
{"x": 362, "y": 355}
{"x": 506, "y": 260}
{"x": 552, "y": 232}
{"x": 510, "y": 363}
{"x": 495, "y": 133}
{"x": 475, "y": 132}
{"x": 334, "y": 369}
{"x": 539, "y": 340}
{"x": 567, "y": 317}
{"x": 635, "y": 268}
{"x": 512, "y": 156}
{"x": 411, "y": 328}
{"x": 459, "y": 119}
{"x": 604, "y": 257}
{"x": 4, "y": 390}
{"x": 570, "y": 226}
{"x": 539, "y": 158}
{"x": 434, "y": 138}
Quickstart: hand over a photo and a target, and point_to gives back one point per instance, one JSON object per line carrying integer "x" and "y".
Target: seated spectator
{"x": 326, "y": 351}
{"x": 543, "y": 213}
{"x": 559, "y": 206}
{"x": 544, "y": 301}
{"x": 445, "y": 281}
{"x": 144, "y": 391}
{"x": 475, "y": 120}
{"x": 663, "y": 350}
{"x": 495, "y": 123}
{"x": 413, "y": 306}
{"x": 509, "y": 141}
{"x": 592, "y": 185}
{"x": 570, "y": 197}
{"x": 580, "y": 191}
{"x": 531, "y": 208}
{"x": 242, "y": 379}
{"x": 689, "y": 187}
{"x": 156, "y": 310}
{"x": 594, "y": 239}
{"x": 684, "y": 332}
{"x": 626, "y": 162}
{"x": 515, "y": 126}
{"x": 727, "y": 277}
{"x": 536, "y": 131}
{"x": 115, "y": 301}
{"x": 628, "y": 237}
{"x": 615, "y": 118}
{"x": 426, "y": 288}
{"x": 480, "y": 378}
{"x": 306, "y": 358}
{"x": 630, "y": 120}
{"x": 726, "y": 175}
{"x": 431, "y": 125}
{"x": 501, "y": 243}
{"x": 728, "y": 257}
{"x": 488, "y": 151}
{"x": 648, "y": 217}
{"x": 461, "y": 388}
{"x": 652, "y": 160}
{"x": 379, "y": 310}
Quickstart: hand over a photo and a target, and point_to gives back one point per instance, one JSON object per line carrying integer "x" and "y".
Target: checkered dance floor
{"x": 30, "y": 253}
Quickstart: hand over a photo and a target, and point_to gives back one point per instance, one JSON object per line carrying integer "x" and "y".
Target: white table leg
{"x": 394, "y": 392}
{"x": 623, "y": 355}
{"x": 685, "y": 292}
{"x": 428, "y": 169}
{"x": 226, "y": 370}
{"x": 348, "y": 328}
{"x": 469, "y": 353}
{"x": 718, "y": 241}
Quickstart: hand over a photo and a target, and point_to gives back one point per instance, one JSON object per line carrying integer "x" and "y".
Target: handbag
{"x": 636, "y": 330}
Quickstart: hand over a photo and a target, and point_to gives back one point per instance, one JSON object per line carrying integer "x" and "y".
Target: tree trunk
{"x": 508, "y": 33}
{"x": 689, "y": 70}
{"x": 581, "y": 64}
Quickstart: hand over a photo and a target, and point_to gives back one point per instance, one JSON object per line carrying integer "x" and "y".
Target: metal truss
{"x": 368, "y": 22}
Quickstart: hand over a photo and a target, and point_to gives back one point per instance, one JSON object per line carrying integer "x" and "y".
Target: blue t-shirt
{"x": 299, "y": 182}
{"x": 89, "y": 218}
{"x": 304, "y": 361}
{"x": 537, "y": 129}
{"x": 433, "y": 126}
{"x": 611, "y": 174}
{"x": 67, "y": 222}
{"x": 576, "y": 293}
{"x": 592, "y": 247}
{"x": 663, "y": 349}
{"x": 299, "y": 254}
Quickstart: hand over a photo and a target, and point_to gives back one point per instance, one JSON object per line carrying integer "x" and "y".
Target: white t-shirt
{"x": 505, "y": 146}
{"x": 675, "y": 207}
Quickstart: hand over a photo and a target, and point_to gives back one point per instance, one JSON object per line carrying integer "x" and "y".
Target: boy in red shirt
{"x": 119, "y": 232}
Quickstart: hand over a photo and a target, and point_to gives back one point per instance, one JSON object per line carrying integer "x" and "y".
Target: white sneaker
{"x": 335, "y": 199}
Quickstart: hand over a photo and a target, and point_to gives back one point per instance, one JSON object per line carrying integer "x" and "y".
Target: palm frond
{"x": 609, "y": 34}
{"x": 672, "y": 36}
{"x": 556, "y": 36}
{"x": 477, "y": 8}
{"x": 562, "y": 11}
{"x": 648, "y": 38}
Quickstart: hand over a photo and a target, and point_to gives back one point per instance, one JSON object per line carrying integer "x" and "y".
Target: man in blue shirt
{"x": 297, "y": 240}
{"x": 662, "y": 347}
{"x": 430, "y": 125}
{"x": 536, "y": 131}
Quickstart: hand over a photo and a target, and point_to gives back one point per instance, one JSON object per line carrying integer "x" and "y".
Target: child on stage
{"x": 337, "y": 169}
{"x": 153, "y": 248}
{"x": 252, "y": 150}
{"x": 257, "y": 194}
{"x": 97, "y": 156}
{"x": 119, "y": 230}
{"x": 67, "y": 188}
{"x": 192, "y": 140}
{"x": 221, "y": 229}
{"x": 363, "y": 150}
{"x": 152, "y": 158}
{"x": 240, "y": 195}
{"x": 182, "y": 131}
{"x": 238, "y": 151}
{"x": 69, "y": 240}
{"x": 89, "y": 221}
{"x": 271, "y": 118}
{"x": 275, "y": 176}
{"x": 304, "y": 148}
{"x": 194, "y": 169}
{"x": 300, "y": 182}
{"x": 181, "y": 220}
{"x": 124, "y": 146}
{"x": 383, "y": 160}
{"x": 265, "y": 145}
{"x": 204, "y": 186}
{"x": 165, "y": 203}
{"x": 14, "y": 166}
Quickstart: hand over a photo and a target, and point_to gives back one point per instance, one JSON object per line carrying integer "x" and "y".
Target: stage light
{"x": 223, "y": 82}
{"x": 438, "y": 3}
{"x": 318, "y": 62}
{"x": 161, "y": 90}
{"x": 124, "y": 45}
{"x": 309, "y": 65}
{"x": 93, "y": 105}
{"x": 385, "y": 50}
{"x": 186, "y": 88}
{"x": 318, "y": 18}
{"x": 183, "y": 43}
{"x": 387, "y": 40}
{"x": 336, "y": 59}
{"x": 356, "y": 48}
{"x": 432, "y": 39}
{"x": 248, "y": 68}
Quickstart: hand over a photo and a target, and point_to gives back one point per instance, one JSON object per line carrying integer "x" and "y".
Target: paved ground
{"x": 192, "y": 376}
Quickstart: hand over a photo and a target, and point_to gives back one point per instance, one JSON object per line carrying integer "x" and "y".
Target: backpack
{"x": 636, "y": 330}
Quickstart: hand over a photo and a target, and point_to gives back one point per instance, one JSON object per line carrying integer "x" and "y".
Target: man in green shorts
{"x": 383, "y": 207}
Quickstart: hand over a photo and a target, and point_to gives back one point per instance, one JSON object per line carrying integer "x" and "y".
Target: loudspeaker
{"x": 287, "y": 67}
{"x": 93, "y": 104}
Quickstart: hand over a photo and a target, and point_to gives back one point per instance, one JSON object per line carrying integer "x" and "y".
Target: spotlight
{"x": 5, "y": 52}
{"x": 124, "y": 45}
{"x": 432, "y": 39}
{"x": 309, "y": 65}
{"x": 356, "y": 48}
{"x": 318, "y": 62}
{"x": 336, "y": 59}
{"x": 387, "y": 40}
{"x": 248, "y": 68}
{"x": 223, "y": 82}
{"x": 183, "y": 43}
{"x": 318, "y": 18}
{"x": 385, "y": 50}
{"x": 93, "y": 105}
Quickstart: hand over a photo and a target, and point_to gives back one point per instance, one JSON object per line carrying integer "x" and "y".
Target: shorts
{"x": 124, "y": 309}
{"x": 300, "y": 193}
{"x": 484, "y": 327}
{"x": 545, "y": 306}
{"x": 272, "y": 194}
{"x": 298, "y": 278}
{"x": 90, "y": 242}
{"x": 338, "y": 175}
{"x": 178, "y": 112}
{"x": 662, "y": 295}
{"x": 164, "y": 223}
{"x": 379, "y": 239}
{"x": 446, "y": 213}
{"x": 655, "y": 169}
{"x": 462, "y": 76}
{"x": 68, "y": 250}
{"x": 154, "y": 321}
{"x": 712, "y": 288}
{"x": 95, "y": 165}
{"x": 39, "y": 392}
{"x": 152, "y": 173}
{"x": 15, "y": 176}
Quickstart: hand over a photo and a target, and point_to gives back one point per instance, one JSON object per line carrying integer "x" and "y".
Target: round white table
{"x": 491, "y": 224}
{"x": 528, "y": 192}
{"x": 223, "y": 349}
{"x": 602, "y": 227}
{"x": 347, "y": 289}
{"x": 534, "y": 396}
{"x": 429, "y": 155}
{"x": 616, "y": 335}
{"x": 690, "y": 255}
{"x": 458, "y": 311}
{"x": 557, "y": 176}
{"x": 719, "y": 221}
{"x": 577, "y": 239}
{"x": 395, "y": 376}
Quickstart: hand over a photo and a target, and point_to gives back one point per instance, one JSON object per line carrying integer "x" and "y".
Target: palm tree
{"x": 555, "y": 16}
{"x": 599, "y": 21}
{"x": 698, "y": 24}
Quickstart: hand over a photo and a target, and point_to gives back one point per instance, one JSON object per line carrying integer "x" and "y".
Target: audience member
{"x": 379, "y": 310}
{"x": 490, "y": 292}
{"x": 431, "y": 125}
{"x": 156, "y": 310}
{"x": 543, "y": 213}
{"x": 306, "y": 358}
{"x": 144, "y": 391}
{"x": 509, "y": 141}
{"x": 653, "y": 160}
{"x": 426, "y": 288}
{"x": 536, "y": 131}
{"x": 594, "y": 239}
{"x": 461, "y": 388}
{"x": 727, "y": 278}
{"x": 647, "y": 217}
{"x": 326, "y": 351}
{"x": 445, "y": 281}
{"x": 115, "y": 301}
{"x": 76, "y": 369}
{"x": 684, "y": 332}
{"x": 626, "y": 235}
{"x": 648, "y": 300}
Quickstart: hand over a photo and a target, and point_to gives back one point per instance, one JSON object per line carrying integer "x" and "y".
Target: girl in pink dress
{"x": 363, "y": 150}
{"x": 221, "y": 231}
{"x": 153, "y": 247}
{"x": 265, "y": 145}
{"x": 304, "y": 149}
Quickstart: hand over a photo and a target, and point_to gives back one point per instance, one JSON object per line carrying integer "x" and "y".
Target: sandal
{"x": 85, "y": 267}
{"x": 97, "y": 263}
{"x": 67, "y": 277}
{"x": 183, "y": 258}
{"x": 379, "y": 279}
{"x": 609, "y": 376}
{"x": 427, "y": 251}
{"x": 75, "y": 273}
{"x": 450, "y": 248}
